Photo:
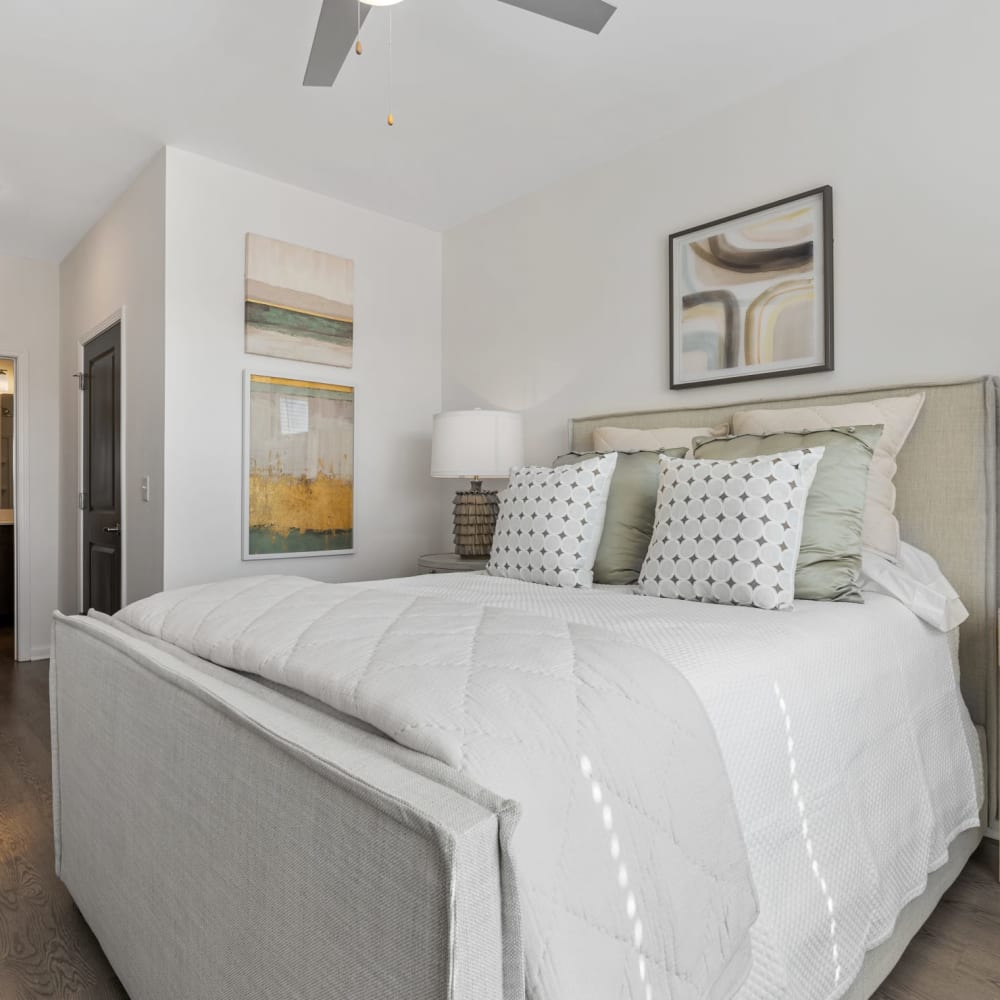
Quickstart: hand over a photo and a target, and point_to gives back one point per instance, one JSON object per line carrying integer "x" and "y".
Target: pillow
{"x": 628, "y": 523}
{"x": 897, "y": 414}
{"x": 664, "y": 438}
{"x": 916, "y": 581}
{"x": 729, "y": 532}
{"x": 829, "y": 563}
{"x": 550, "y": 521}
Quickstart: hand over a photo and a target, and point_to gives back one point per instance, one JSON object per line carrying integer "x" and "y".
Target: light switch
{"x": 145, "y": 489}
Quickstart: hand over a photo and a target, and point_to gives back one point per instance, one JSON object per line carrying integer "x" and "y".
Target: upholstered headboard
{"x": 946, "y": 502}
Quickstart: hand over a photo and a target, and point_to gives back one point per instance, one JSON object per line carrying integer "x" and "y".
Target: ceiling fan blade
{"x": 335, "y": 35}
{"x": 590, "y": 15}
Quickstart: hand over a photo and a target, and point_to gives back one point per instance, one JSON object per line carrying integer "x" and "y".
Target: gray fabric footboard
{"x": 225, "y": 841}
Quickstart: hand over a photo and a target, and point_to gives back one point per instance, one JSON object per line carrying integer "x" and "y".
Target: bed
{"x": 334, "y": 862}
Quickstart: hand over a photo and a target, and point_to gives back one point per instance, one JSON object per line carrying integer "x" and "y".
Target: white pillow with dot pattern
{"x": 728, "y": 532}
{"x": 550, "y": 522}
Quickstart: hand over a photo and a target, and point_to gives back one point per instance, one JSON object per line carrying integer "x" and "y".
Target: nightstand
{"x": 451, "y": 562}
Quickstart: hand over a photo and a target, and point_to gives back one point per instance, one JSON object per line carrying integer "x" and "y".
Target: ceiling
{"x": 491, "y": 102}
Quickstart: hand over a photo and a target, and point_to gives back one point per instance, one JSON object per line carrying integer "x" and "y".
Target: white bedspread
{"x": 845, "y": 739}
{"x": 631, "y": 869}
{"x": 864, "y": 700}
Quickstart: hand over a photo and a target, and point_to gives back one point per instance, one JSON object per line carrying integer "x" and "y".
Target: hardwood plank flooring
{"x": 47, "y": 950}
{"x": 46, "y": 947}
{"x": 956, "y": 954}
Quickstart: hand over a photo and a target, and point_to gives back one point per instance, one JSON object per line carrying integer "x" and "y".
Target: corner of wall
{"x": 118, "y": 267}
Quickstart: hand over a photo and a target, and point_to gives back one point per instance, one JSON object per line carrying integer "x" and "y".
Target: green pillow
{"x": 628, "y": 524}
{"x": 829, "y": 563}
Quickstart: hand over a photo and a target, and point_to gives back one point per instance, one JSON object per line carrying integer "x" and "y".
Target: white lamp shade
{"x": 476, "y": 444}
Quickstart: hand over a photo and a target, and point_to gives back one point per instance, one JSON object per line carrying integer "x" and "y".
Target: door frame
{"x": 118, "y": 316}
{"x": 22, "y": 563}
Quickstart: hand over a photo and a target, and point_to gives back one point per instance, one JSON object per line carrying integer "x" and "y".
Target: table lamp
{"x": 476, "y": 445}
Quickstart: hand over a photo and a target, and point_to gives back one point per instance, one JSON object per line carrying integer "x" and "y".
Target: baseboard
{"x": 39, "y": 652}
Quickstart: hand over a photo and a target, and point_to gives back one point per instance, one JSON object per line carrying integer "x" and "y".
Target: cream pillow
{"x": 897, "y": 414}
{"x": 629, "y": 439}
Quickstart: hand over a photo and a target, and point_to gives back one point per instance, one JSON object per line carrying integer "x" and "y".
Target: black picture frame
{"x": 733, "y": 342}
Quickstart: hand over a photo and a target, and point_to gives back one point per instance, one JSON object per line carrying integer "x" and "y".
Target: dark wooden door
{"x": 102, "y": 488}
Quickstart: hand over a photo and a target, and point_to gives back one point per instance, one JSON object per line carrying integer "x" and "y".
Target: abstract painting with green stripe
{"x": 299, "y": 303}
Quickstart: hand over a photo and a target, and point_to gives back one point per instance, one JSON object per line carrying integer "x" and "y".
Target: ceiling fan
{"x": 340, "y": 23}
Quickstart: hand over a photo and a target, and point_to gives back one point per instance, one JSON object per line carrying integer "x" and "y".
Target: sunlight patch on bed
{"x": 615, "y": 849}
{"x": 806, "y": 838}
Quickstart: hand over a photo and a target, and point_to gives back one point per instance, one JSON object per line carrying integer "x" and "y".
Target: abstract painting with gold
{"x": 299, "y": 468}
{"x": 751, "y": 295}
{"x": 299, "y": 303}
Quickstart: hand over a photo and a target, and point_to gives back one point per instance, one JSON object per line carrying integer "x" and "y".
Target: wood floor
{"x": 956, "y": 954}
{"x": 47, "y": 950}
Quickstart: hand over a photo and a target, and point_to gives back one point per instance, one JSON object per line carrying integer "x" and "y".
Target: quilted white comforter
{"x": 846, "y": 742}
{"x": 631, "y": 869}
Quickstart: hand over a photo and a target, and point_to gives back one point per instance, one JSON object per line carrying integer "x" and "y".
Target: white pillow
{"x": 916, "y": 581}
{"x": 550, "y": 522}
{"x": 897, "y": 414}
{"x": 630, "y": 439}
{"x": 728, "y": 532}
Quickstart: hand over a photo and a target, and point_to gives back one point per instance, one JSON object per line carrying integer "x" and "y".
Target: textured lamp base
{"x": 475, "y": 520}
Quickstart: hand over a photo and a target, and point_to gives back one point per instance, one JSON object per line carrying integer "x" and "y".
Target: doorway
{"x": 8, "y": 576}
{"x": 101, "y": 493}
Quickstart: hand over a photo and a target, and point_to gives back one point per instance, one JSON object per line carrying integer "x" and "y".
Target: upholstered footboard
{"x": 226, "y": 841}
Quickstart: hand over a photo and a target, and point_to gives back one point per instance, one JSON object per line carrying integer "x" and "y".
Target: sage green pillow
{"x": 829, "y": 565}
{"x": 628, "y": 523}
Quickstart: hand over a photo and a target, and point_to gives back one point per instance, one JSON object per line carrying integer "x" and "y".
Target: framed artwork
{"x": 298, "y": 468}
{"x": 751, "y": 295}
{"x": 299, "y": 303}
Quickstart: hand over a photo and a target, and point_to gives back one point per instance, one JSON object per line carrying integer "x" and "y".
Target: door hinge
{"x": 82, "y": 378}
{"x": 82, "y": 500}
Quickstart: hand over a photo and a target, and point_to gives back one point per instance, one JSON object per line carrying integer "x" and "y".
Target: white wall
{"x": 29, "y": 329}
{"x": 397, "y": 371}
{"x": 557, "y": 304}
{"x": 118, "y": 265}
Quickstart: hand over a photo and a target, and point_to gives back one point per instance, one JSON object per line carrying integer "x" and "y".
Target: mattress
{"x": 846, "y": 743}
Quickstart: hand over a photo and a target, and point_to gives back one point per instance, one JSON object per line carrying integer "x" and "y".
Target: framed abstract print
{"x": 299, "y": 303}
{"x": 298, "y": 468}
{"x": 751, "y": 295}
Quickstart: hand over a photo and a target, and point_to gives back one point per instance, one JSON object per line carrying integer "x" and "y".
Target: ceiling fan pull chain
{"x": 390, "y": 119}
{"x": 357, "y": 44}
